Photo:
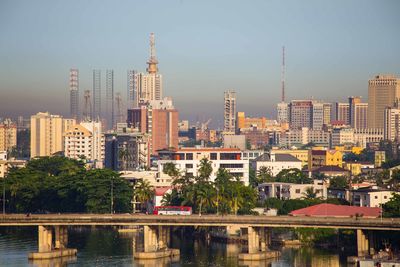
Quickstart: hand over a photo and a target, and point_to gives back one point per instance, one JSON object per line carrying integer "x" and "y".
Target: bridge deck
{"x": 195, "y": 220}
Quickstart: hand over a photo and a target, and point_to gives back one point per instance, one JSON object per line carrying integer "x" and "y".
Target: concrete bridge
{"x": 157, "y": 230}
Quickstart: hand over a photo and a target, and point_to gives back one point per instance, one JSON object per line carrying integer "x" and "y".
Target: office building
{"x": 342, "y": 113}
{"x": 127, "y": 151}
{"x": 391, "y": 129}
{"x": 383, "y": 91}
{"x": 159, "y": 119}
{"x": 110, "y": 114}
{"x": 8, "y": 135}
{"x": 283, "y": 112}
{"x": 327, "y": 113}
{"x": 74, "y": 93}
{"x": 229, "y": 111}
{"x": 47, "y": 133}
{"x": 187, "y": 160}
{"x": 131, "y": 89}
{"x": 96, "y": 112}
{"x": 275, "y": 163}
{"x": 358, "y": 113}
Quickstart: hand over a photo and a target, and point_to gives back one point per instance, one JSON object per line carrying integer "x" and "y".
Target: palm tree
{"x": 205, "y": 169}
{"x": 204, "y": 195}
{"x": 264, "y": 175}
{"x": 143, "y": 191}
{"x": 310, "y": 193}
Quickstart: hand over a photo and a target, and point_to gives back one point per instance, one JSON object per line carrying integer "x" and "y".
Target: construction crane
{"x": 204, "y": 126}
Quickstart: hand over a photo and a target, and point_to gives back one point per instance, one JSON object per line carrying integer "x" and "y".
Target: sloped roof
{"x": 278, "y": 158}
{"x": 160, "y": 191}
{"x": 331, "y": 210}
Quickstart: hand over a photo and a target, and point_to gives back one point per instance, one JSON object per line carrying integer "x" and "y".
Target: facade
{"x": 229, "y": 111}
{"x": 300, "y": 154}
{"x": 277, "y": 162}
{"x": 110, "y": 114}
{"x": 370, "y": 197}
{"x": 187, "y": 160}
{"x": 358, "y": 113}
{"x": 234, "y": 141}
{"x": 96, "y": 93}
{"x": 8, "y": 135}
{"x": 243, "y": 122}
{"x": 342, "y": 112}
{"x": 283, "y": 112}
{"x": 327, "y": 113}
{"x": 363, "y": 137}
{"x": 287, "y": 191}
{"x": 303, "y": 136}
{"x": 308, "y": 113}
{"x": 47, "y": 133}
{"x": 383, "y": 91}
{"x": 159, "y": 119}
{"x": 342, "y": 136}
{"x": 127, "y": 151}
{"x": 320, "y": 158}
{"x": 85, "y": 140}
{"x": 131, "y": 89}
{"x": 391, "y": 125}
{"x": 74, "y": 93}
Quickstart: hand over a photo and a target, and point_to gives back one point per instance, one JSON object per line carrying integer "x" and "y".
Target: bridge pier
{"x": 47, "y": 249}
{"x": 156, "y": 243}
{"x": 258, "y": 243}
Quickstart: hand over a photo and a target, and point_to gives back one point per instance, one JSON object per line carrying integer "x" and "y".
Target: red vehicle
{"x": 172, "y": 210}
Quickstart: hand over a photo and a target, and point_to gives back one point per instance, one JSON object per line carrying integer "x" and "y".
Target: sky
{"x": 204, "y": 48}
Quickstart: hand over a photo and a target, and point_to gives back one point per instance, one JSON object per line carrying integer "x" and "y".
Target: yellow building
{"x": 353, "y": 167}
{"x": 8, "y": 136}
{"x": 47, "y": 133}
{"x": 319, "y": 158}
{"x": 349, "y": 149}
{"x": 301, "y": 154}
{"x": 247, "y": 122}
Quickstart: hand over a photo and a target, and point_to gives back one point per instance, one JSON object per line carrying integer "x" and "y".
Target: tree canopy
{"x": 59, "y": 184}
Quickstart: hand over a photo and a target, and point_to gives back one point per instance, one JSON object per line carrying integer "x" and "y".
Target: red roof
{"x": 160, "y": 191}
{"x": 331, "y": 210}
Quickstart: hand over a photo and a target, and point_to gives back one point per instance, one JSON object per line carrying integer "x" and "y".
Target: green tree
{"x": 170, "y": 169}
{"x": 143, "y": 191}
{"x": 309, "y": 193}
{"x": 293, "y": 176}
{"x": 339, "y": 182}
{"x": 264, "y": 175}
{"x": 392, "y": 207}
{"x": 205, "y": 169}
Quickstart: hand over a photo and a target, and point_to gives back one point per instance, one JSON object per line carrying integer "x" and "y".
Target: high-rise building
{"x": 131, "y": 89}
{"x": 383, "y": 91}
{"x": 85, "y": 140}
{"x": 159, "y": 119}
{"x": 317, "y": 115}
{"x": 8, "y": 135}
{"x": 283, "y": 112}
{"x": 391, "y": 130}
{"x": 74, "y": 93}
{"x": 327, "y": 113}
{"x": 47, "y": 133}
{"x": 358, "y": 113}
{"x": 229, "y": 111}
{"x": 147, "y": 86}
{"x": 96, "y": 95}
{"x": 110, "y": 115}
{"x": 342, "y": 113}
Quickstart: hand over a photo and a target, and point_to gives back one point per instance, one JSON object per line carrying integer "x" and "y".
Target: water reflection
{"x": 57, "y": 262}
{"x": 107, "y": 247}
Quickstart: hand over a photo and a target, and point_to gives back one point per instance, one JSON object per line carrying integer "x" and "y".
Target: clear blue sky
{"x": 204, "y": 48}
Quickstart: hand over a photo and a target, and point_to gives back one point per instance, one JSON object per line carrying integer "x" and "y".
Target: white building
{"x": 371, "y": 197}
{"x": 85, "y": 140}
{"x": 287, "y": 191}
{"x": 364, "y": 136}
{"x": 187, "y": 160}
{"x": 230, "y": 111}
{"x": 276, "y": 162}
{"x": 391, "y": 126}
{"x": 283, "y": 112}
{"x": 298, "y": 137}
{"x": 341, "y": 136}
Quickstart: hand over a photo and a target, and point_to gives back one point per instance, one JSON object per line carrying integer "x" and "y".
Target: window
{"x": 189, "y": 156}
{"x": 231, "y": 166}
{"x": 376, "y": 197}
{"x": 189, "y": 166}
{"x": 213, "y": 156}
{"x": 385, "y": 197}
{"x": 297, "y": 191}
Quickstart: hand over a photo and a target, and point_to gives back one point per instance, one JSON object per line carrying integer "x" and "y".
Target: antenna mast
{"x": 283, "y": 74}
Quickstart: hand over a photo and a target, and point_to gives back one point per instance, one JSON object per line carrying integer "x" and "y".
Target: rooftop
{"x": 278, "y": 158}
{"x": 329, "y": 210}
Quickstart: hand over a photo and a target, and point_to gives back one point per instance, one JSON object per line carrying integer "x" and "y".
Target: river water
{"x": 107, "y": 247}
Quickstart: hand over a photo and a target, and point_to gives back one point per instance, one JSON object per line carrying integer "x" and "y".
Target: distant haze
{"x": 204, "y": 48}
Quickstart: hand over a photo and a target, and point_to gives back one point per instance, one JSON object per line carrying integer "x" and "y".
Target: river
{"x": 107, "y": 247}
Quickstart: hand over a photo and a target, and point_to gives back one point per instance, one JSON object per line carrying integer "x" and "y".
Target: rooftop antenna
{"x": 283, "y": 74}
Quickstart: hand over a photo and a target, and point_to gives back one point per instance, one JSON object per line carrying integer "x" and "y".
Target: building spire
{"x": 152, "y": 62}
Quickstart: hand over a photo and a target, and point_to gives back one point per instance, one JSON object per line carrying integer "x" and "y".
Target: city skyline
{"x": 329, "y": 47}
